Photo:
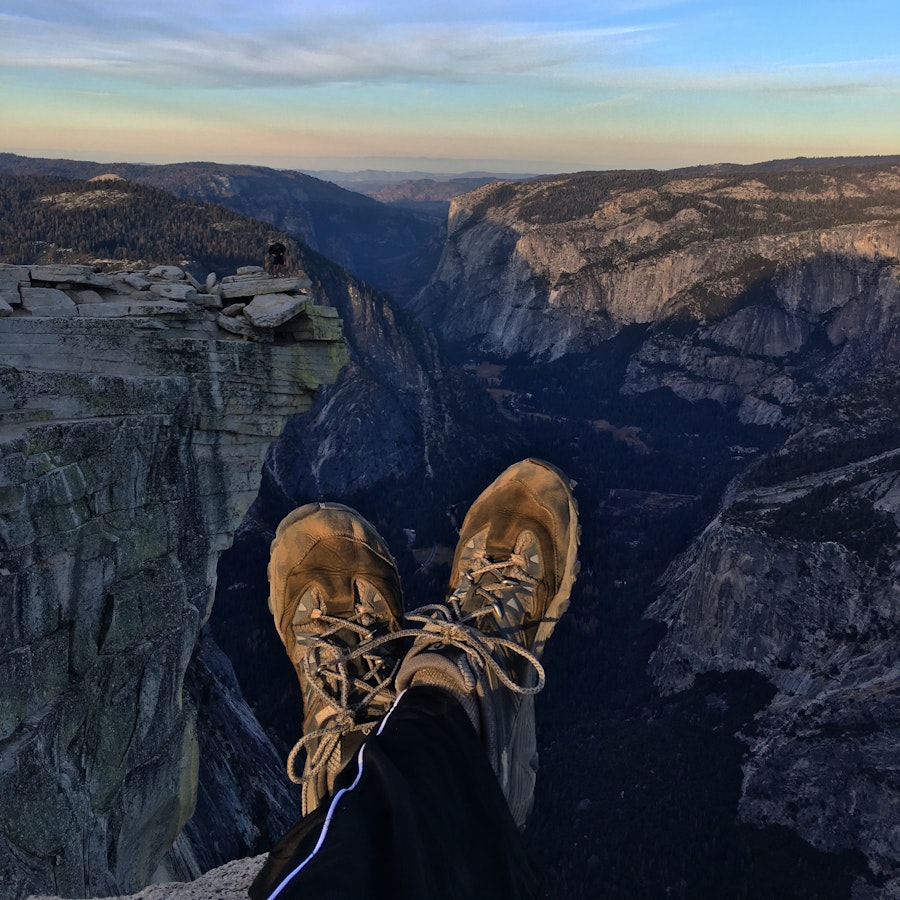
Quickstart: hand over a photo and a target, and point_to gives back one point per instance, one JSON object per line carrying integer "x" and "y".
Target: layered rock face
{"x": 834, "y": 307}
{"x": 560, "y": 264}
{"x": 797, "y": 578}
{"x": 132, "y": 446}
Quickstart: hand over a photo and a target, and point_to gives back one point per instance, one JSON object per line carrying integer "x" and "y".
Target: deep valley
{"x": 713, "y": 355}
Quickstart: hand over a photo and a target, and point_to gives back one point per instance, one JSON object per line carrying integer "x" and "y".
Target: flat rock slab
{"x": 254, "y": 286}
{"x": 120, "y": 308}
{"x": 271, "y": 310}
{"x": 230, "y": 881}
{"x": 70, "y": 275}
{"x": 41, "y": 301}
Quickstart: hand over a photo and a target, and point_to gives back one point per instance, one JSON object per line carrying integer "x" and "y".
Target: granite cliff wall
{"x": 797, "y": 579}
{"x": 561, "y": 264}
{"x": 132, "y": 442}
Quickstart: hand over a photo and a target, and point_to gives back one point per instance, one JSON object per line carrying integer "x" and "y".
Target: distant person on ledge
{"x": 419, "y": 730}
{"x": 275, "y": 258}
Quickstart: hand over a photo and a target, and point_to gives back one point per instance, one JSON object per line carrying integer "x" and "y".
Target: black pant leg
{"x": 419, "y": 817}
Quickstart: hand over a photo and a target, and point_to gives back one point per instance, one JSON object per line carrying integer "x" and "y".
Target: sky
{"x": 450, "y": 85}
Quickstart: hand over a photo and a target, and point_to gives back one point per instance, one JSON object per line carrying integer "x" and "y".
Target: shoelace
{"x": 333, "y": 683}
{"x": 444, "y": 624}
{"x": 449, "y": 625}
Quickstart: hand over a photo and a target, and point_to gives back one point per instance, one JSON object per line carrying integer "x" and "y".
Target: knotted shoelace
{"x": 448, "y": 624}
{"x": 332, "y": 681}
{"x": 442, "y": 624}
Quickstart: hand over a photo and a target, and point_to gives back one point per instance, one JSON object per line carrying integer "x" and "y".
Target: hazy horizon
{"x": 418, "y": 168}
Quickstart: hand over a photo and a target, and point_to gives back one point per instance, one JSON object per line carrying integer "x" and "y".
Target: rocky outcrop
{"x": 258, "y": 307}
{"x": 132, "y": 445}
{"x": 797, "y": 579}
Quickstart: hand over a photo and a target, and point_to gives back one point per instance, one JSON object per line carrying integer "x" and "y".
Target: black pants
{"x": 420, "y": 816}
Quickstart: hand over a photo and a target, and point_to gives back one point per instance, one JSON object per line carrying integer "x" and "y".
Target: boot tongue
{"x": 368, "y": 601}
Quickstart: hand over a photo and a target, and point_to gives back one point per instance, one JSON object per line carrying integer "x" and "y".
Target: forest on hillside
{"x": 733, "y": 202}
{"x": 117, "y": 223}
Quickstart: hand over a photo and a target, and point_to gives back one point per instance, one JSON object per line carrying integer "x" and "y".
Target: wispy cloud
{"x": 231, "y": 44}
{"x": 825, "y": 78}
{"x": 298, "y": 50}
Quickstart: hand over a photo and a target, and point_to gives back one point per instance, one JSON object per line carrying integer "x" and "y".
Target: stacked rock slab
{"x": 132, "y": 434}
{"x": 256, "y": 306}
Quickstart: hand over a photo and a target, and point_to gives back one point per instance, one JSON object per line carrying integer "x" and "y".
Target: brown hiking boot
{"x": 335, "y": 594}
{"x": 512, "y": 574}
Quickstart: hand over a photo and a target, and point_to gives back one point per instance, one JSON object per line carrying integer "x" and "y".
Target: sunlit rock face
{"x": 131, "y": 449}
{"x": 734, "y": 273}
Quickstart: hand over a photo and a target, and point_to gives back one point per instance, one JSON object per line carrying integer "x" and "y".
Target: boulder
{"x": 137, "y": 281}
{"x": 10, "y": 296}
{"x": 250, "y": 270}
{"x": 176, "y": 291}
{"x": 272, "y": 310}
{"x": 210, "y": 281}
{"x": 234, "y": 310}
{"x": 5, "y": 308}
{"x": 237, "y": 325}
{"x": 12, "y": 276}
{"x": 40, "y": 301}
{"x": 169, "y": 273}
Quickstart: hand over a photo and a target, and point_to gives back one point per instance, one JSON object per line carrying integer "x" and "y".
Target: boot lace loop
{"x": 450, "y": 625}
{"x": 327, "y": 668}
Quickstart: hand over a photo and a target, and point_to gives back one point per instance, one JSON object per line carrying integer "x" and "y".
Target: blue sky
{"x": 450, "y": 86}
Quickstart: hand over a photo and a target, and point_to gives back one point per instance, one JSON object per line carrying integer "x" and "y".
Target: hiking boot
{"x": 512, "y": 574}
{"x": 334, "y": 592}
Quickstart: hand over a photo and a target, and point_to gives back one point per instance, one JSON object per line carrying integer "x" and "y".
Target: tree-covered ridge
{"x": 728, "y": 201}
{"x": 117, "y": 223}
